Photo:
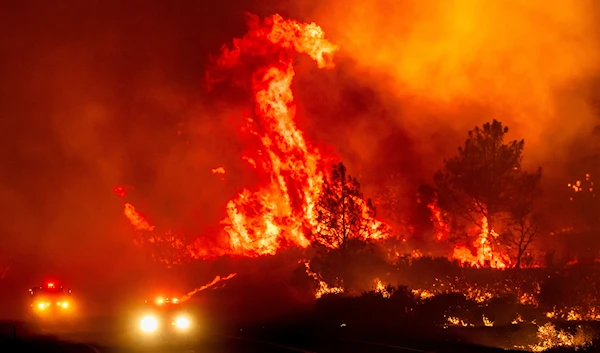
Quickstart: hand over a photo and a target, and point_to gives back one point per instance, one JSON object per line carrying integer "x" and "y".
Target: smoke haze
{"x": 98, "y": 94}
{"x": 440, "y": 68}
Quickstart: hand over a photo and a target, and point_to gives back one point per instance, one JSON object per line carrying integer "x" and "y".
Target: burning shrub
{"x": 502, "y": 310}
{"x": 438, "y": 309}
{"x": 351, "y": 267}
{"x": 423, "y": 271}
{"x": 484, "y": 189}
{"x": 572, "y": 294}
{"x": 370, "y": 309}
{"x": 551, "y": 338}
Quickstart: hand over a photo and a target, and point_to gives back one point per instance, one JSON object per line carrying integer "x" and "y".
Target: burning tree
{"x": 485, "y": 187}
{"x": 342, "y": 212}
{"x": 523, "y": 223}
{"x": 346, "y": 223}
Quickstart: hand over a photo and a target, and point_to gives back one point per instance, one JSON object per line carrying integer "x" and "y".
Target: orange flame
{"x": 283, "y": 212}
{"x": 216, "y": 280}
{"x": 219, "y": 170}
{"x": 259, "y": 222}
{"x": 138, "y": 221}
{"x": 442, "y": 229}
{"x": 323, "y": 288}
{"x": 485, "y": 256}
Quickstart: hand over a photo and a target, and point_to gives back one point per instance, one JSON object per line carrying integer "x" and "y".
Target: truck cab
{"x": 50, "y": 301}
{"x": 166, "y": 319}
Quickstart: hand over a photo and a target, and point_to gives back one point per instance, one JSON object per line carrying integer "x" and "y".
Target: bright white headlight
{"x": 182, "y": 322}
{"x": 149, "y": 324}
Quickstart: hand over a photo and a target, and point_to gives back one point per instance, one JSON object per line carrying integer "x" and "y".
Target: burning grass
{"x": 527, "y": 309}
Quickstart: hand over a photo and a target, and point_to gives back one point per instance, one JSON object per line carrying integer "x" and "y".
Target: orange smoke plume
{"x": 444, "y": 58}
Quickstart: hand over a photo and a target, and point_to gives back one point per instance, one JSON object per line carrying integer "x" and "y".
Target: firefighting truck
{"x": 50, "y": 301}
{"x": 165, "y": 319}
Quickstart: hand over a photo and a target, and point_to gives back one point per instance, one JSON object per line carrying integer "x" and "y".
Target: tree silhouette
{"x": 485, "y": 181}
{"x": 342, "y": 212}
{"x": 346, "y": 222}
{"x": 523, "y": 223}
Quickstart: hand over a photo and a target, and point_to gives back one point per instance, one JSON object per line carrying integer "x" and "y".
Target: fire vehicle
{"x": 51, "y": 301}
{"x": 166, "y": 318}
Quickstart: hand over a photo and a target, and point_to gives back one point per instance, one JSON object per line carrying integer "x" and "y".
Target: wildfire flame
{"x": 381, "y": 288}
{"x": 282, "y": 212}
{"x": 485, "y": 255}
{"x": 215, "y": 281}
{"x": 138, "y": 221}
{"x": 323, "y": 287}
{"x": 219, "y": 170}
{"x": 549, "y": 337}
{"x": 442, "y": 229}
{"x": 259, "y": 222}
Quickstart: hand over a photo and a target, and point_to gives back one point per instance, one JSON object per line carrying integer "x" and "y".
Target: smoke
{"x": 93, "y": 97}
{"x": 97, "y": 96}
{"x": 435, "y": 69}
{"x": 102, "y": 94}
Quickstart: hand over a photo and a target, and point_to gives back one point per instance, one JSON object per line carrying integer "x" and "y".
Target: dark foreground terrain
{"x": 108, "y": 336}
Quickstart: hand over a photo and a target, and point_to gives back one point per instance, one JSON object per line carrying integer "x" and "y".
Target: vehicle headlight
{"x": 149, "y": 324}
{"x": 182, "y": 322}
{"x": 41, "y": 305}
{"x": 65, "y": 304}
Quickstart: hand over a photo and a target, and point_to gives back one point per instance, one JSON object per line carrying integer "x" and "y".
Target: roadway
{"x": 103, "y": 338}
{"x": 214, "y": 344}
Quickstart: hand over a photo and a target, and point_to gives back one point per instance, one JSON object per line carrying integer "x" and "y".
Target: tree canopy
{"x": 342, "y": 211}
{"x": 484, "y": 184}
{"x": 346, "y": 222}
